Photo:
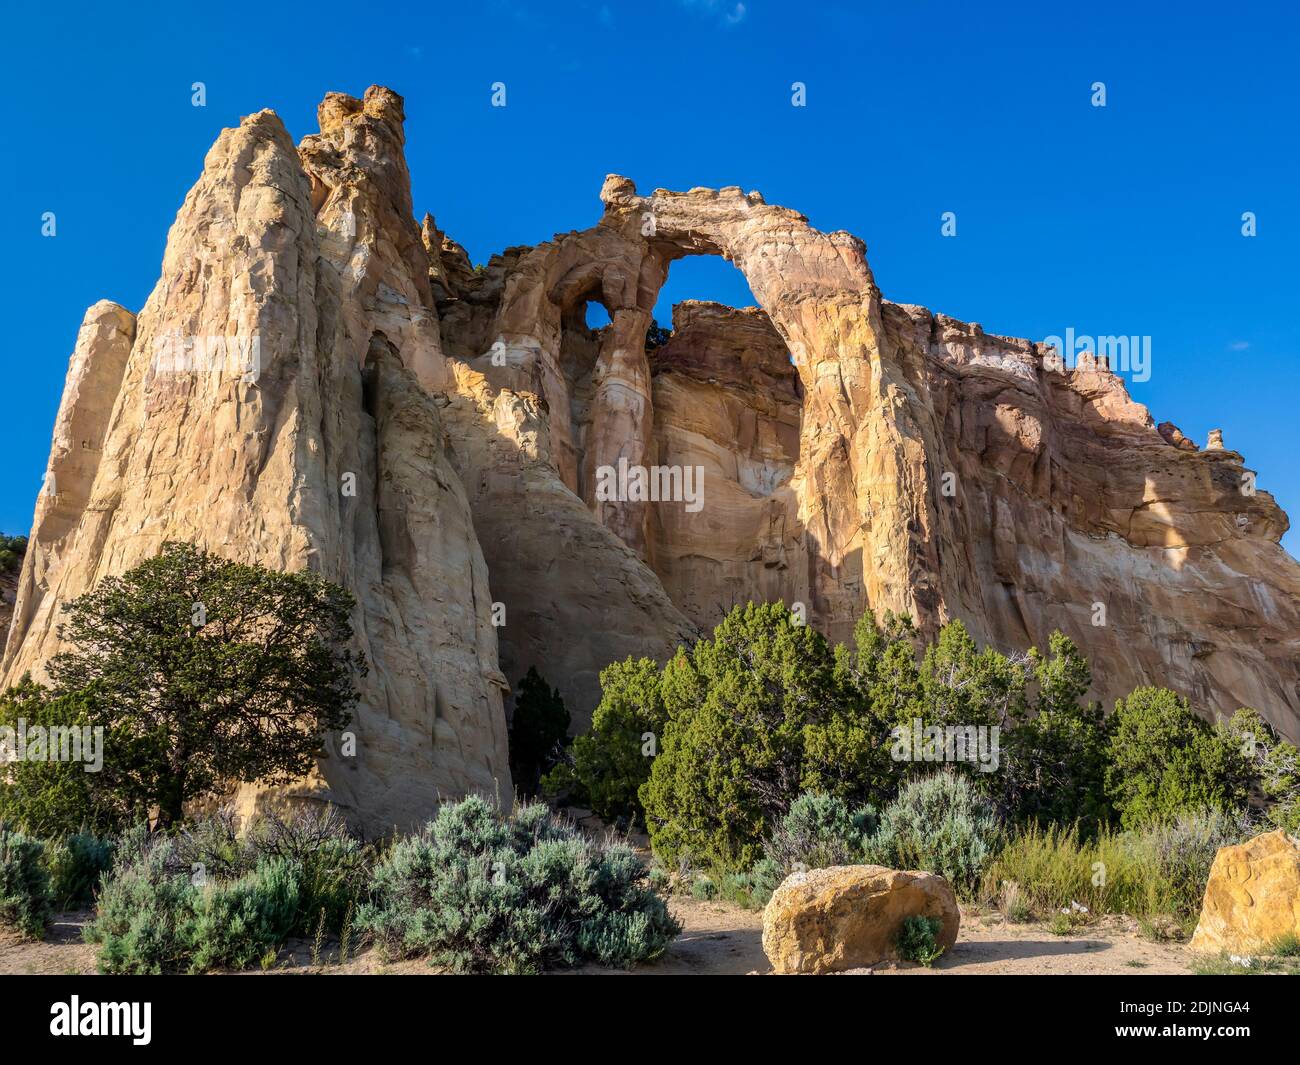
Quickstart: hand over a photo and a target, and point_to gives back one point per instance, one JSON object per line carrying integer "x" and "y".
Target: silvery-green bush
{"x": 479, "y": 891}
{"x": 938, "y": 824}
{"x": 154, "y": 917}
{"x": 332, "y": 864}
{"x": 819, "y": 831}
{"x": 76, "y": 863}
{"x": 213, "y": 897}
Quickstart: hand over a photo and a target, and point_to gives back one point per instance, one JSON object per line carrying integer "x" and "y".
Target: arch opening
{"x": 727, "y": 403}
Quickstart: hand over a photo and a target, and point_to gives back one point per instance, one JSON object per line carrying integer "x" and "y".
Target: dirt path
{"x": 719, "y": 939}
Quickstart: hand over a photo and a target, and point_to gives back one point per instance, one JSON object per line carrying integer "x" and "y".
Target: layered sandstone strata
{"x": 434, "y": 437}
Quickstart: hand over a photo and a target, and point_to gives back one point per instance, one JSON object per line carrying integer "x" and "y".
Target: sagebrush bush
{"x": 236, "y": 923}
{"x": 481, "y": 892}
{"x": 76, "y": 863}
{"x": 145, "y": 913}
{"x": 26, "y": 902}
{"x": 754, "y": 888}
{"x": 939, "y": 825}
{"x": 820, "y": 830}
{"x": 704, "y": 888}
{"x": 332, "y": 864}
{"x": 213, "y": 898}
{"x": 153, "y": 917}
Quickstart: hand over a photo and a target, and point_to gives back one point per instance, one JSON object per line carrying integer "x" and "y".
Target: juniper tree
{"x": 207, "y": 673}
{"x": 539, "y": 731}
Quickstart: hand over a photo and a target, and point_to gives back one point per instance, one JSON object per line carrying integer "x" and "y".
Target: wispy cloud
{"x": 1239, "y": 345}
{"x": 727, "y": 12}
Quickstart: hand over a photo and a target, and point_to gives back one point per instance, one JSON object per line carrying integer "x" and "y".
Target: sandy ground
{"x": 717, "y": 938}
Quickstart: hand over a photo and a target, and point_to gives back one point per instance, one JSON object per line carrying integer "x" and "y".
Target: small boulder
{"x": 849, "y": 916}
{"x": 1252, "y": 898}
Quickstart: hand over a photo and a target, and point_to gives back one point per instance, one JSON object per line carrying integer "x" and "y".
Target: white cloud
{"x": 727, "y": 13}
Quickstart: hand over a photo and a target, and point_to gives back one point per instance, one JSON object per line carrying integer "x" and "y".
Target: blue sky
{"x": 1117, "y": 220}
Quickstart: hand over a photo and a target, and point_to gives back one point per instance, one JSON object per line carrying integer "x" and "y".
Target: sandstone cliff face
{"x": 435, "y": 438}
{"x": 1069, "y": 502}
{"x": 939, "y": 471}
{"x": 316, "y": 448}
{"x": 727, "y": 401}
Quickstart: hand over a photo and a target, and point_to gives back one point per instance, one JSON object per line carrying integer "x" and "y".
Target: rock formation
{"x": 1252, "y": 899}
{"x": 270, "y": 408}
{"x": 849, "y": 916}
{"x": 319, "y": 381}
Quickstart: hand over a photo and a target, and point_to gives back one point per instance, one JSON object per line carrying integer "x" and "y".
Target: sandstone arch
{"x": 483, "y": 430}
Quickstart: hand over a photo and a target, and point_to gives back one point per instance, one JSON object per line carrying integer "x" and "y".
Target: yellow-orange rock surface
{"x": 849, "y": 916}
{"x": 1253, "y": 896}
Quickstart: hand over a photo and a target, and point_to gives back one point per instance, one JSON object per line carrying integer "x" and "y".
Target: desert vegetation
{"x": 200, "y": 674}
{"x": 764, "y": 749}
{"x": 760, "y": 751}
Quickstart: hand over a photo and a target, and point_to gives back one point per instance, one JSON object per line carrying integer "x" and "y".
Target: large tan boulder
{"x": 848, "y": 916}
{"x": 1253, "y": 896}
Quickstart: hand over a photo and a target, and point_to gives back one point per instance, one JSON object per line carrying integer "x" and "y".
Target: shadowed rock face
{"x": 857, "y": 454}
{"x": 727, "y": 401}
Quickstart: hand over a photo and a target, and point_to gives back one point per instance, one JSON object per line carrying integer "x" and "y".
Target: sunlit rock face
{"x": 855, "y": 454}
{"x": 271, "y": 403}
{"x": 937, "y": 471}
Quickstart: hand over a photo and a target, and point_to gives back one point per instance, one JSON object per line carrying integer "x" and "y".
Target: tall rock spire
{"x": 269, "y": 412}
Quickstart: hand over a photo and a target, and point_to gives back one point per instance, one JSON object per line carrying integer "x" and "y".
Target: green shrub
{"x": 76, "y": 863}
{"x": 213, "y": 898}
{"x": 153, "y": 917}
{"x": 481, "y": 892}
{"x": 1164, "y": 760}
{"x": 916, "y": 939}
{"x": 332, "y": 865}
{"x": 762, "y": 711}
{"x": 608, "y": 764}
{"x": 539, "y": 732}
{"x": 764, "y": 879}
{"x": 26, "y": 903}
{"x": 940, "y": 825}
{"x": 235, "y": 924}
{"x": 51, "y": 797}
{"x": 1054, "y": 760}
{"x": 704, "y": 888}
{"x": 1275, "y": 764}
{"x": 819, "y": 831}
{"x": 12, "y": 549}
